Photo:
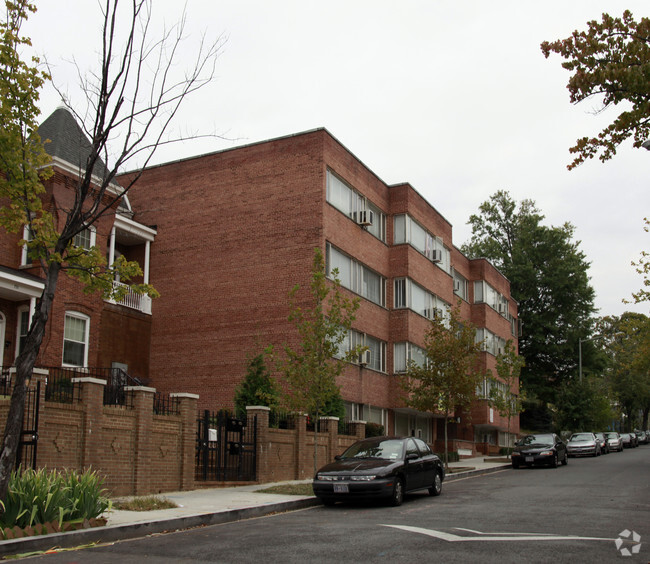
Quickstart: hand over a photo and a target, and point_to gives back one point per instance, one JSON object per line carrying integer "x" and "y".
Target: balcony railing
{"x": 140, "y": 302}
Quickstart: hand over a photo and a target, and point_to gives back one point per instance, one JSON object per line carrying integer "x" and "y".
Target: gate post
{"x": 143, "y": 407}
{"x": 330, "y": 426}
{"x": 262, "y": 471}
{"x": 301, "y": 447}
{"x": 187, "y": 407}
{"x": 92, "y": 403}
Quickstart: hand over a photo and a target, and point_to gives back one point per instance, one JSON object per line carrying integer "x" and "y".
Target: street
{"x": 594, "y": 509}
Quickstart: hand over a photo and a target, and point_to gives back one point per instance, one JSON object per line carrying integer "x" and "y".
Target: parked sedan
{"x": 380, "y": 467}
{"x": 602, "y": 443}
{"x": 627, "y": 440}
{"x": 614, "y": 441}
{"x": 642, "y": 436}
{"x": 546, "y": 449}
{"x": 583, "y": 444}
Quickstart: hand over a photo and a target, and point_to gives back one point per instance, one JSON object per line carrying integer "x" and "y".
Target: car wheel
{"x": 565, "y": 460}
{"x": 398, "y": 493}
{"x": 436, "y": 489}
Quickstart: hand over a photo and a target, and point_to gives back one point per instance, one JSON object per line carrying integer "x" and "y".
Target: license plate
{"x": 530, "y": 459}
{"x": 341, "y": 488}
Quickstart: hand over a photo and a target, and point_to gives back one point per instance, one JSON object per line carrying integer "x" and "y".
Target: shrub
{"x": 374, "y": 430}
{"x": 46, "y": 496}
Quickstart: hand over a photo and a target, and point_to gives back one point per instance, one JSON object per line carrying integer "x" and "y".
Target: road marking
{"x": 487, "y": 537}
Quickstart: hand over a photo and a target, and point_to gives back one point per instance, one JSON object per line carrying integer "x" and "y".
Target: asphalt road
{"x": 574, "y": 513}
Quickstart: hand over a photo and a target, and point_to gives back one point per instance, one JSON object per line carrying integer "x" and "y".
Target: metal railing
{"x": 164, "y": 404}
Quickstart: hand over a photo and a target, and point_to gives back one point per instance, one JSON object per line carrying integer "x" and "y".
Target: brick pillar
{"x": 358, "y": 429}
{"x": 143, "y": 407}
{"x": 330, "y": 427}
{"x": 301, "y": 446}
{"x": 188, "y": 409}
{"x": 262, "y": 469}
{"x": 92, "y": 403}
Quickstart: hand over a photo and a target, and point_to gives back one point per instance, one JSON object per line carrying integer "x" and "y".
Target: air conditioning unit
{"x": 436, "y": 255}
{"x": 457, "y": 284}
{"x": 363, "y": 217}
{"x": 364, "y": 358}
{"x": 502, "y": 308}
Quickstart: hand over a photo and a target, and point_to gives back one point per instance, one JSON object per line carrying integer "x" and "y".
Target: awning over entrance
{"x": 17, "y": 286}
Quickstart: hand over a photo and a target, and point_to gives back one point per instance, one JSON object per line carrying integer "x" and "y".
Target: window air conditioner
{"x": 502, "y": 308}
{"x": 436, "y": 255}
{"x": 364, "y": 217}
{"x": 456, "y": 285}
{"x": 364, "y": 358}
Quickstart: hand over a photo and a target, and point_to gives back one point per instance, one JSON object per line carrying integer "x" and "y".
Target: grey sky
{"x": 454, "y": 97}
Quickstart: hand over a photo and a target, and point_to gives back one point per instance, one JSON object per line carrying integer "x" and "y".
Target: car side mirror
{"x": 412, "y": 456}
{"x": 337, "y": 457}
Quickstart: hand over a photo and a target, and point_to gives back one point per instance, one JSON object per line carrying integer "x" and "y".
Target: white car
{"x": 583, "y": 444}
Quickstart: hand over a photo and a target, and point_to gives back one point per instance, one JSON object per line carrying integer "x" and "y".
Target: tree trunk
{"x": 24, "y": 369}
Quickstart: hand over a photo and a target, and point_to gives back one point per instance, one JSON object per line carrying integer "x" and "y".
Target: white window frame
{"x": 407, "y": 230}
{"x": 92, "y": 231}
{"x": 27, "y": 236}
{"x": 433, "y": 306}
{"x": 357, "y": 270}
{"x": 86, "y": 342}
{"x": 409, "y": 354}
{"x": 20, "y": 311}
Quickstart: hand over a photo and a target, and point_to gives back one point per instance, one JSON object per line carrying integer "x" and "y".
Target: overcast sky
{"x": 454, "y": 97}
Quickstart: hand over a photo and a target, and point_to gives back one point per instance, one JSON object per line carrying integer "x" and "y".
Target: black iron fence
{"x": 226, "y": 447}
{"x": 164, "y": 404}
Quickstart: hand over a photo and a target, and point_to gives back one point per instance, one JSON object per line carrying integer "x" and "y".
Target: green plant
{"x": 374, "y": 430}
{"x": 146, "y": 503}
{"x": 46, "y": 496}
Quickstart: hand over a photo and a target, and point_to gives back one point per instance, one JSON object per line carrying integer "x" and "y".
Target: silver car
{"x": 614, "y": 441}
{"x": 583, "y": 444}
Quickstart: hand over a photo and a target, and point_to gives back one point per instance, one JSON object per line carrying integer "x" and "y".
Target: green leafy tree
{"x": 642, "y": 266}
{"x": 609, "y": 61}
{"x": 121, "y": 109}
{"x": 583, "y": 406}
{"x": 447, "y": 380}
{"x": 508, "y": 401}
{"x": 258, "y": 387}
{"x": 548, "y": 277}
{"x": 627, "y": 339}
{"x": 322, "y": 323}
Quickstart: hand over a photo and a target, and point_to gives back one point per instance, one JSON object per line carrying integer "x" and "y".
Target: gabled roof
{"x": 67, "y": 141}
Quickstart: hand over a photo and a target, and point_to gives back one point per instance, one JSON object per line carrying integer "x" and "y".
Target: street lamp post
{"x": 580, "y": 341}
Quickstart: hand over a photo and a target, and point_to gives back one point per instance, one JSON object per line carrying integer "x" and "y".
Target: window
{"x": 460, "y": 285}
{"x": 492, "y": 343}
{"x": 352, "y": 204}
{"x": 85, "y": 239}
{"x": 356, "y": 277}
{"x": 407, "y": 230}
{"x": 75, "y": 339}
{"x": 406, "y": 352}
{"x": 23, "y": 328}
{"x": 376, "y": 347}
{"x": 410, "y": 295}
{"x": 28, "y": 236}
{"x": 486, "y": 294}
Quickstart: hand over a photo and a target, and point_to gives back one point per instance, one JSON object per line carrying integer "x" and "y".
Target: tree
{"x": 507, "y": 400}
{"x": 628, "y": 342}
{"x": 132, "y": 97}
{"x": 583, "y": 406}
{"x": 642, "y": 266}
{"x": 258, "y": 386}
{"x": 311, "y": 369}
{"x": 447, "y": 380}
{"x": 548, "y": 277}
{"x": 611, "y": 60}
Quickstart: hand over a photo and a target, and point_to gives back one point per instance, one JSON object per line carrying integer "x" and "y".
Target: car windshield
{"x": 582, "y": 437}
{"x": 387, "y": 449}
{"x": 537, "y": 439}
{"x": 611, "y": 435}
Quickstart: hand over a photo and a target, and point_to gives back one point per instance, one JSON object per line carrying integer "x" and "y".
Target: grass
{"x": 289, "y": 489}
{"x": 148, "y": 503}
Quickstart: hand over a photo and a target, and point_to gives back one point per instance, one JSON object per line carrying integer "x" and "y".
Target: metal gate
{"x": 226, "y": 448}
{"x": 26, "y": 455}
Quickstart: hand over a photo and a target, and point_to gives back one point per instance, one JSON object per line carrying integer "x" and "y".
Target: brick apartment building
{"x": 223, "y": 237}
{"x": 237, "y": 229}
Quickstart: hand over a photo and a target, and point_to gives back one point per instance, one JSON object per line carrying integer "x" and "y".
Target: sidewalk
{"x": 205, "y": 507}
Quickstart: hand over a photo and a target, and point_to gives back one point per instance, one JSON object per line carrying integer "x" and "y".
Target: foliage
{"x": 549, "y": 279}
{"x": 447, "y": 380}
{"x": 611, "y": 60}
{"x": 302, "y": 489}
{"x": 374, "y": 430}
{"x": 583, "y": 406}
{"x": 628, "y": 341}
{"x": 311, "y": 369}
{"x": 42, "y": 496}
{"x": 146, "y": 503}
{"x": 508, "y": 402}
{"x": 258, "y": 387}
{"x": 642, "y": 266}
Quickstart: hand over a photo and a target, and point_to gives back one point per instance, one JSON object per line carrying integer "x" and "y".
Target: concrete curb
{"x": 112, "y": 533}
{"x": 121, "y": 532}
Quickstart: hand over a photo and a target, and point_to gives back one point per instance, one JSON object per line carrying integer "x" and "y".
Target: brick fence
{"x": 137, "y": 451}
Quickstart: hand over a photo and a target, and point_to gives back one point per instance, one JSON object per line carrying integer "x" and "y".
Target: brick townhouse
{"x": 237, "y": 229}
{"x": 84, "y": 331}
